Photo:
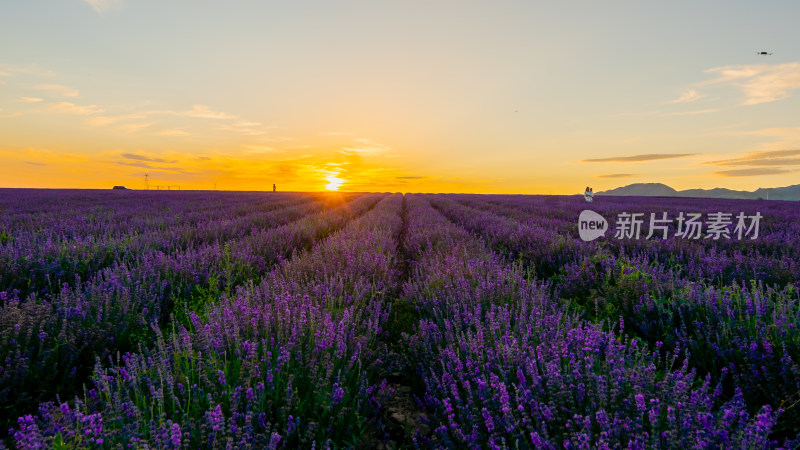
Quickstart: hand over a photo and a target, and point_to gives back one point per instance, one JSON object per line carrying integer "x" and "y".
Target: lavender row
{"x": 506, "y": 365}
{"x": 289, "y": 362}
{"x": 61, "y": 244}
{"x": 774, "y": 257}
{"x": 700, "y": 296}
{"x": 745, "y": 337}
{"x": 106, "y": 214}
{"x": 65, "y": 216}
{"x": 543, "y": 247}
{"x": 50, "y": 347}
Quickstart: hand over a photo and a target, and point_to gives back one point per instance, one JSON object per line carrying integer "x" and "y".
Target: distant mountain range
{"x": 662, "y": 190}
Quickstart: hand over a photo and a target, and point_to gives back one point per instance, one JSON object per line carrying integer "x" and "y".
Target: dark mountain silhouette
{"x": 643, "y": 190}
{"x": 662, "y": 190}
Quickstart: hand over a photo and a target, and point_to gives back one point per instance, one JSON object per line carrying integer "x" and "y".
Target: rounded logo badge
{"x": 591, "y": 225}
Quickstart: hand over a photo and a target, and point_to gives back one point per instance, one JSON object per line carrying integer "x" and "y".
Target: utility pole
{"x": 146, "y": 182}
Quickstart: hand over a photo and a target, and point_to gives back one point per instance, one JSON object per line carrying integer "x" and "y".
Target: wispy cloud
{"x": 779, "y": 132}
{"x": 776, "y": 153}
{"x": 245, "y": 124}
{"x": 691, "y": 113}
{"x": 101, "y": 6}
{"x": 101, "y": 121}
{"x": 7, "y": 70}
{"x": 688, "y": 97}
{"x": 138, "y": 157}
{"x": 756, "y": 171}
{"x": 760, "y": 83}
{"x": 71, "y": 108}
{"x": 129, "y": 128}
{"x": 783, "y": 137}
{"x": 31, "y": 99}
{"x": 370, "y": 142}
{"x": 205, "y": 112}
{"x": 198, "y": 111}
{"x": 639, "y": 158}
{"x": 770, "y": 162}
{"x": 37, "y": 156}
{"x": 366, "y": 146}
{"x": 660, "y": 113}
{"x": 58, "y": 90}
{"x": 144, "y": 165}
{"x": 35, "y": 163}
{"x": 361, "y": 150}
{"x": 245, "y": 127}
{"x": 618, "y": 175}
{"x": 411, "y": 178}
{"x": 760, "y": 162}
{"x": 762, "y": 159}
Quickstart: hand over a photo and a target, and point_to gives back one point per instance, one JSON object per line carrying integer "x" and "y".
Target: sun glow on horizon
{"x": 334, "y": 182}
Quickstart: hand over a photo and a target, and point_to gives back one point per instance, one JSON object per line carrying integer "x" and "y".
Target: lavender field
{"x": 143, "y": 319}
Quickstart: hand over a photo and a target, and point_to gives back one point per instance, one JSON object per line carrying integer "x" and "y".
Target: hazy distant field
{"x": 207, "y": 319}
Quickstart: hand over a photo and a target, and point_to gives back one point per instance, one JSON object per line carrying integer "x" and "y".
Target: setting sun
{"x": 333, "y": 182}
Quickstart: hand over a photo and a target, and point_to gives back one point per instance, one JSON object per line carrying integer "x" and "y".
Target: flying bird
{"x": 763, "y": 53}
